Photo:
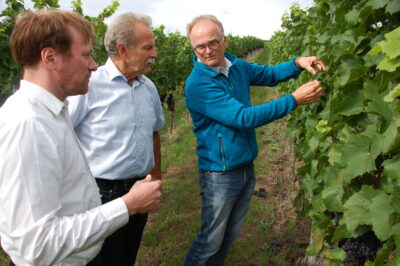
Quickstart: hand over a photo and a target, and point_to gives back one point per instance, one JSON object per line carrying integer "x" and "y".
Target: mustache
{"x": 150, "y": 61}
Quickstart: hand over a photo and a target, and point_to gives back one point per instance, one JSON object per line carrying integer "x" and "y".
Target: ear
{"x": 121, "y": 49}
{"x": 225, "y": 42}
{"x": 48, "y": 57}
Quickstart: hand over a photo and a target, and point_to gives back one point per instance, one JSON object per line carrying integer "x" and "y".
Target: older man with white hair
{"x": 218, "y": 98}
{"x": 118, "y": 121}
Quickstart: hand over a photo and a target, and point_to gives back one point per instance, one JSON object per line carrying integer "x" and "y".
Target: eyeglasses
{"x": 201, "y": 48}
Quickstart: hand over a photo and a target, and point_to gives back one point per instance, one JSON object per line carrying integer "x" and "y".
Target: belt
{"x": 244, "y": 167}
{"x": 117, "y": 184}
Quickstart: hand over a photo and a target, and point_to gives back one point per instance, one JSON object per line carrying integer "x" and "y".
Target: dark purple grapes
{"x": 360, "y": 249}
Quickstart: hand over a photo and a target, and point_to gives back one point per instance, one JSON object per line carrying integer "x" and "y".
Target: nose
{"x": 92, "y": 64}
{"x": 209, "y": 49}
{"x": 154, "y": 53}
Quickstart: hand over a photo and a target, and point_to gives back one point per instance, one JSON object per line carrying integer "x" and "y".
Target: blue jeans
{"x": 225, "y": 199}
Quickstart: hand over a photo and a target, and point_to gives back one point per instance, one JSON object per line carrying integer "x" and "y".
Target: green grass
{"x": 3, "y": 258}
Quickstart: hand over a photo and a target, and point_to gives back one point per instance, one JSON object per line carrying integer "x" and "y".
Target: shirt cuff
{"x": 116, "y": 213}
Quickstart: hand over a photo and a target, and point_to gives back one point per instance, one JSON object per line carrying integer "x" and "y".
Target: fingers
{"x": 148, "y": 178}
{"x": 310, "y": 69}
{"x": 308, "y": 93}
{"x": 319, "y": 64}
{"x": 311, "y": 64}
{"x": 144, "y": 196}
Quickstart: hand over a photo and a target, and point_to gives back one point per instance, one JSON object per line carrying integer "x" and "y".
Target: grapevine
{"x": 349, "y": 141}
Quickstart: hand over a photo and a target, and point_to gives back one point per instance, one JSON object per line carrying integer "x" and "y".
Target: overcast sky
{"x": 259, "y": 18}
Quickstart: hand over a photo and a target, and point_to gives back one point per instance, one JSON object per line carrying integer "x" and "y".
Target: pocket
{"x": 222, "y": 151}
{"x": 107, "y": 195}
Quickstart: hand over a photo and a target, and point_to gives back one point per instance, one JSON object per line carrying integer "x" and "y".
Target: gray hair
{"x": 122, "y": 30}
{"x": 212, "y": 18}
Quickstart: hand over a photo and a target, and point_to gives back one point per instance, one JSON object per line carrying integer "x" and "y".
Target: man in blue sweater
{"x": 218, "y": 98}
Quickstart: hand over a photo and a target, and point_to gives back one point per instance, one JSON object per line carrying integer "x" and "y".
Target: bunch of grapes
{"x": 360, "y": 249}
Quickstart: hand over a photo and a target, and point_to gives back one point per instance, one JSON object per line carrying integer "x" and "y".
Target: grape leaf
{"x": 393, "y": 94}
{"x": 358, "y": 155}
{"x": 392, "y": 46}
{"x": 351, "y": 68}
{"x": 369, "y": 207}
{"x": 351, "y": 105}
{"x": 392, "y": 168}
{"x": 393, "y": 7}
{"x": 376, "y": 4}
{"x": 332, "y": 196}
{"x": 389, "y": 65}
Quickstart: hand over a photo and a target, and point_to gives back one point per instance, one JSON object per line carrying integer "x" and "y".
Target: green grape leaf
{"x": 392, "y": 46}
{"x": 332, "y": 196}
{"x": 358, "y": 156}
{"x": 335, "y": 156}
{"x": 392, "y": 168}
{"x": 376, "y": 50}
{"x": 350, "y": 69}
{"x": 393, "y": 7}
{"x": 390, "y": 139}
{"x": 318, "y": 235}
{"x": 393, "y": 94}
{"x": 352, "y": 17}
{"x": 389, "y": 65}
{"x": 383, "y": 254}
{"x": 376, "y": 4}
{"x": 318, "y": 203}
{"x": 335, "y": 254}
{"x": 340, "y": 233}
{"x": 352, "y": 104}
{"x": 369, "y": 207}
{"x": 377, "y": 105}
{"x": 344, "y": 47}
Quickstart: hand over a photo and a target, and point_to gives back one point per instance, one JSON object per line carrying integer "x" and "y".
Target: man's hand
{"x": 309, "y": 92}
{"x": 310, "y": 63}
{"x": 144, "y": 196}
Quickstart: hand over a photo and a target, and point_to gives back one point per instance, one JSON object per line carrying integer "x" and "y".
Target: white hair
{"x": 122, "y": 30}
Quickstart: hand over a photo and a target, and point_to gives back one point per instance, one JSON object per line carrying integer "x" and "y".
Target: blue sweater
{"x": 223, "y": 118}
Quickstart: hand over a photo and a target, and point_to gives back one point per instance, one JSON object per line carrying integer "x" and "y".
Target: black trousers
{"x": 120, "y": 248}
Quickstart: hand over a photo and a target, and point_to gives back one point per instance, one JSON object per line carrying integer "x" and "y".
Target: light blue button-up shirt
{"x": 115, "y": 122}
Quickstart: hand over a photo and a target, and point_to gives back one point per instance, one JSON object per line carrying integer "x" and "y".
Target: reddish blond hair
{"x": 35, "y": 30}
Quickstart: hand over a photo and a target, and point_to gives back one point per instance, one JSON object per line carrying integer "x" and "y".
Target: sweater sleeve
{"x": 209, "y": 100}
{"x": 266, "y": 75}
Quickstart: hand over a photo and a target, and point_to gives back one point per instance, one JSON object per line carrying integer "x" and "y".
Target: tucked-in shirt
{"x": 50, "y": 208}
{"x": 115, "y": 123}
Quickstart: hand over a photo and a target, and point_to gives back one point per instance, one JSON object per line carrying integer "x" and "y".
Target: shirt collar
{"x": 221, "y": 69}
{"x": 44, "y": 96}
{"x": 113, "y": 72}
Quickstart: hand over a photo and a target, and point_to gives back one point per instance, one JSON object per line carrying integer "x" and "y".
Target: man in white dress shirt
{"x": 117, "y": 123}
{"x": 50, "y": 208}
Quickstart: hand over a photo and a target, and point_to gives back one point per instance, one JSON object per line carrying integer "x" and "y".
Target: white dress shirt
{"x": 50, "y": 209}
{"x": 115, "y": 122}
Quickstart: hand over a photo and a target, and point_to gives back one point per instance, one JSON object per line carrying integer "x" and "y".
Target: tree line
{"x": 172, "y": 67}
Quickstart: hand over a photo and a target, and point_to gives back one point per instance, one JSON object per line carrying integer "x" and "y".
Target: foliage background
{"x": 349, "y": 142}
{"x": 173, "y": 64}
